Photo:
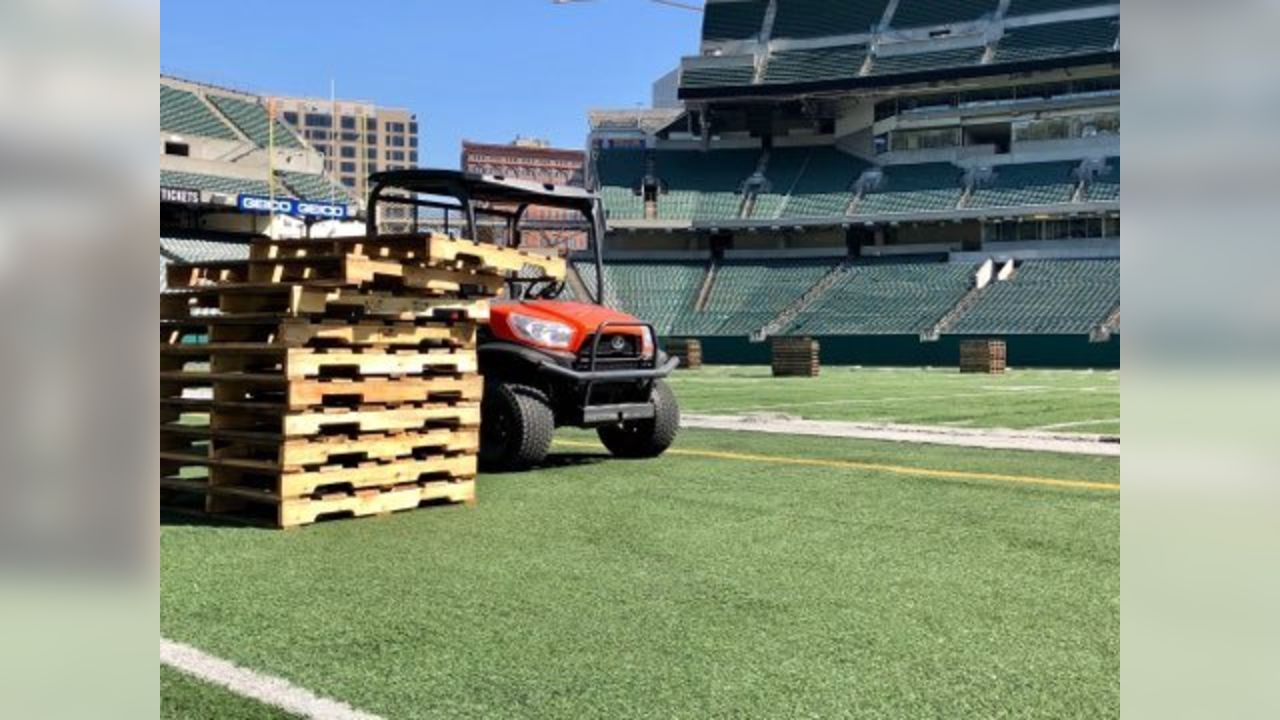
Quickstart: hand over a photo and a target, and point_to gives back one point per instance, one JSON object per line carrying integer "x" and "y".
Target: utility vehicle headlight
{"x": 546, "y": 333}
{"x": 646, "y": 343}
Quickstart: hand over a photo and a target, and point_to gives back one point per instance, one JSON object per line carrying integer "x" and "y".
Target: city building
{"x": 356, "y": 138}
{"x": 534, "y": 159}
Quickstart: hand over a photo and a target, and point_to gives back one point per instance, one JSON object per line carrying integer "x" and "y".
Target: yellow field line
{"x": 878, "y": 467}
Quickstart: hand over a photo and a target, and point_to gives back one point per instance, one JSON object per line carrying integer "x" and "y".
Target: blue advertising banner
{"x": 295, "y": 207}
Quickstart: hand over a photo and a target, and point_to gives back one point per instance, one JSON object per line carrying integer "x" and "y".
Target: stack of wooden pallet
{"x": 795, "y": 356}
{"x": 689, "y": 350}
{"x": 327, "y": 377}
{"x": 982, "y": 356}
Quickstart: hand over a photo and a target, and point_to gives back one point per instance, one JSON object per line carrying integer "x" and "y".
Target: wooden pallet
{"x": 431, "y": 249}
{"x": 795, "y": 357}
{"x": 335, "y": 271}
{"x": 983, "y": 356}
{"x": 271, "y": 301}
{"x": 688, "y": 350}
{"x": 302, "y": 393}
{"x": 264, "y": 508}
{"x": 276, "y": 418}
{"x": 294, "y": 454}
{"x": 304, "y": 332}
{"x": 281, "y": 482}
{"x": 291, "y": 362}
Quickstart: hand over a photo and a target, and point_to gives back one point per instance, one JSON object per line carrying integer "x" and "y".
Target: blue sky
{"x": 484, "y": 70}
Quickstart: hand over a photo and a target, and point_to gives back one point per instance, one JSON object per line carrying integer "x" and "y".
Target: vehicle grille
{"x": 622, "y": 355}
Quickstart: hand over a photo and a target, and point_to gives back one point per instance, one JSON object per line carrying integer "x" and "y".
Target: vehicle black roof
{"x": 492, "y": 188}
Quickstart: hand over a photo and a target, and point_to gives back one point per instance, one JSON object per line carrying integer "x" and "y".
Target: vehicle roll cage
{"x": 468, "y": 189}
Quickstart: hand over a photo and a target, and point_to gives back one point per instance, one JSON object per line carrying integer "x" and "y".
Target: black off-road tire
{"x": 646, "y": 438}
{"x": 516, "y": 425}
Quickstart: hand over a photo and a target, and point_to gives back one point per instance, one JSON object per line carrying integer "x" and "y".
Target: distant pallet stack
{"x": 983, "y": 356}
{"x": 795, "y": 356}
{"x": 688, "y": 350}
{"x": 326, "y": 377}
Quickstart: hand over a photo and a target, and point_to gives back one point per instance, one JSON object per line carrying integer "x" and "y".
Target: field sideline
{"x": 1085, "y": 401}
{"x": 695, "y": 585}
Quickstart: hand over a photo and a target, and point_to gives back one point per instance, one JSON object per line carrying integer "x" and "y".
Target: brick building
{"x": 536, "y": 160}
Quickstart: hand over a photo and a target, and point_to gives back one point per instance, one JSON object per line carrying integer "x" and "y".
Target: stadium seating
{"x": 880, "y": 299}
{"x": 737, "y": 20}
{"x": 1033, "y": 7}
{"x": 181, "y": 249}
{"x": 216, "y": 183}
{"x": 768, "y": 206}
{"x": 314, "y": 187}
{"x": 920, "y": 62}
{"x": 831, "y": 63}
{"x": 817, "y": 18}
{"x": 824, "y": 188}
{"x": 687, "y": 174}
{"x": 622, "y": 203}
{"x": 718, "y": 206}
{"x": 1055, "y": 40}
{"x": 657, "y": 292}
{"x": 746, "y": 294}
{"x": 718, "y": 76}
{"x": 1026, "y": 184}
{"x": 182, "y": 112}
{"x": 923, "y": 13}
{"x": 923, "y": 187}
{"x": 1106, "y": 186}
{"x": 1046, "y": 297}
{"x": 252, "y": 120}
{"x": 620, "y": 172}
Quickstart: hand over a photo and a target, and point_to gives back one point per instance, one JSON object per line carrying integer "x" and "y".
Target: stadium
{"x": 881, "y": 182}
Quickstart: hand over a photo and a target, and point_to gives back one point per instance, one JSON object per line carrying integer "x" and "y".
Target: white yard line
{"x": 995, "y": 439}
{"x": 1077, "y": 423}
{"x": 266, "y": 689}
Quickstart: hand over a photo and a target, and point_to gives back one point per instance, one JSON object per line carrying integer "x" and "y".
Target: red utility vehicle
{"x": 548, "y": 362}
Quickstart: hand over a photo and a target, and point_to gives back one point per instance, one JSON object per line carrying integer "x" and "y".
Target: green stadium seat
{"x": 735, "y": 20}
{"x": 747, "y": 294}
{"x": 657, "y": 292}
{"x": 315, "y": 187}
{"x": 192, "y": 250}
{"x": 922, "y": 187}
{"x": 217, "y": 183}
{"x": 885, "y": 299}
{"x": 818, "y": 18}
{"x": 251, "y": 118}
{"x": 797, "y": 66}
{"x": 817, "y": 181}
{"x": 1046, "y": 183}
{"x": 183, "y": 112}
{"x": 718, "y": 76}
{"x": 924, "y": 13}
{"x": 687, "y": 175}
{"x": 1061, "y": 39}
{"x": 622, "y": 203}
{"x": 1106, "y": 186}
{"x": 1035, "y": 7}
{"x": 1045, "y": 297}
{"x": 923, "y": 62}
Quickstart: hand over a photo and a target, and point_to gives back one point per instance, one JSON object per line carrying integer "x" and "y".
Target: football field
{"x": 740, "y": 575}
{"x": 1084, "y": 401}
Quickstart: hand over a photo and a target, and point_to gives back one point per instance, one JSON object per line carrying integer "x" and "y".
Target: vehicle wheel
{"x": 646, "y": 438}
{"x": 516, "y": 424}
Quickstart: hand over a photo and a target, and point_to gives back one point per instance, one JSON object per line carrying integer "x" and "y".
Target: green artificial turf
{"x": 1089, "y": 401}
{"x": 687, "y": 586}
{"x": 183, "y": 697}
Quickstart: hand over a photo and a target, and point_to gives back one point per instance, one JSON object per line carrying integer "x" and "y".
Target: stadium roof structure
{"x": 817, "y": 46}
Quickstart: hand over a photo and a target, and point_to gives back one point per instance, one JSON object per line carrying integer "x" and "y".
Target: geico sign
{"x": 261, "y": 204}
{"x": 291, "y": 206}
{"x": 321, "y": 210}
